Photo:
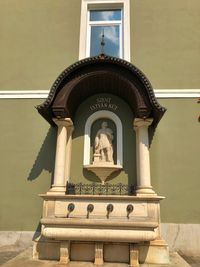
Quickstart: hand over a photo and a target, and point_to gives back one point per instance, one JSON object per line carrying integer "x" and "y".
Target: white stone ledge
{"x": 106, "y": 235}
{"x": 99, "y": 223}
{"x": 42, "y": 94}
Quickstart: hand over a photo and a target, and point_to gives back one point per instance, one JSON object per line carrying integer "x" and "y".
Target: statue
{"x": 103, "y": 148}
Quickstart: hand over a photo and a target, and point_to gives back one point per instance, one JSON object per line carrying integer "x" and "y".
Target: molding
{"x": 177, "y": 93}
{"x": 23, "y": 94}
{"x": 42, "y": 94}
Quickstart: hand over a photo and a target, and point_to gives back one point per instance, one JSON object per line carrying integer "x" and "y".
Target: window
{"x": 105, "y": 28}
{"x": 105, "y": 32}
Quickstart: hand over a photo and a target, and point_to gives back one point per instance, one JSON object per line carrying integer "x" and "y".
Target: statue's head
{"x": 104, "y": 124}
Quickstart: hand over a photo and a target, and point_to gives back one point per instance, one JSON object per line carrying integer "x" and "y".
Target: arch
{"x": 103, "y": 114}
{"x": 101, "y": 74}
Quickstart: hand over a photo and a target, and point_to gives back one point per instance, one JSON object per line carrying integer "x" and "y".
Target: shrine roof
{"x": 101, "y": 74}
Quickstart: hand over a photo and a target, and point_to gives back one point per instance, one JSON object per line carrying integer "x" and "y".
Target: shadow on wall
{"x": 37, "y": 232}
{"x": 46, "y": 156}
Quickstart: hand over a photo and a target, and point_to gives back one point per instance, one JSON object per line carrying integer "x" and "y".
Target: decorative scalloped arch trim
{"x": 97, "y": 59}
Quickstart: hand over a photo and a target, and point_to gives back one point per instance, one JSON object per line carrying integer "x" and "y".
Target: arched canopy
{"x": 101, "y": 74}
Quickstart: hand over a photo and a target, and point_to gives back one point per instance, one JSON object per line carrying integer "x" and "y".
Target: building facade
{"x": 42, "y": 38}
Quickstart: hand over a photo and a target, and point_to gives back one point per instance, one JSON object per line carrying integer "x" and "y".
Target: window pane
{"x": 111, "y": 40}
{"x": 105, "y": 15}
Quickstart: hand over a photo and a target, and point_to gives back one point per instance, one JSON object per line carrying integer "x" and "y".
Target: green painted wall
{"x": 165, "y": 41}
{"x": 175, "y": 161}
{"x": 39, "y": 39}
{"x": 26, "y": 159}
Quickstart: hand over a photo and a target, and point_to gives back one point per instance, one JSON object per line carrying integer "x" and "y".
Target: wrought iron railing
{"x": 100, "y": 189}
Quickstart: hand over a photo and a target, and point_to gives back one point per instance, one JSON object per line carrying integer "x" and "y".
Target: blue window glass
{"x": 105, "y": 15}
{"x": 107, "y": 23}
{"x": 111, "y": 40}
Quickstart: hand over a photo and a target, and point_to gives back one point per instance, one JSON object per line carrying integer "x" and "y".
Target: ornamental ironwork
{"x": 100, "y": 189}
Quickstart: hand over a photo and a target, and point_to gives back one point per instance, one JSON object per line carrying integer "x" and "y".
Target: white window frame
{"x": 86, "y": 6}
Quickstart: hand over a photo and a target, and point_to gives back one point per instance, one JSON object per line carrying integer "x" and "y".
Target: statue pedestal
{"x": 103, "y": 170}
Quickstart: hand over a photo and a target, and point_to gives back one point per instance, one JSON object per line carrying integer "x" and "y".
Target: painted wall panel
{"x": 38, "y": 40}
{"x": 165, "y": 41}
{"x": 175, "y": 161}
{"x": 26, "y": 163}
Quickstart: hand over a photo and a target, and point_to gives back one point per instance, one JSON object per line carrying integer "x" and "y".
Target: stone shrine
{"x": 104, "y": 217}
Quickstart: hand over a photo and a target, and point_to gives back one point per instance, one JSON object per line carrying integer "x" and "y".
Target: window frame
{"x": 85, "y": 27}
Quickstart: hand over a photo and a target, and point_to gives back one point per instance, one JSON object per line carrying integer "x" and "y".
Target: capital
{"x": 138, "y": 123}
{"x": 66, "y": 122}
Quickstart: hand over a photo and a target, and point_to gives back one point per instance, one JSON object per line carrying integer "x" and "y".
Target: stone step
{"x": 25, "y": 259}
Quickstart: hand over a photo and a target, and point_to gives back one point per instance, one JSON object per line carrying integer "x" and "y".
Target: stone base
{"x": 46, "y": 250}
{"x": 142, "y": 191}
{"x": 155, "y": 252}
{"x": 55, "y": 190}
{"x": 25, "y": 259}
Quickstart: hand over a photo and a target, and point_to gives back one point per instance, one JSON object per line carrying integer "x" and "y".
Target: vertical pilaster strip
{"x": 134, "y": 256}
{"x": 98, "y": 253}
{"x": 64, "y": 252}
{"x": 142, "y": 153}
{"x": 68, "y": 153}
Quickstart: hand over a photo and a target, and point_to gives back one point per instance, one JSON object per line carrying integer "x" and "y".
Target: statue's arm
{"x": 110, "y": 134}
{"x": 96, "y": 142}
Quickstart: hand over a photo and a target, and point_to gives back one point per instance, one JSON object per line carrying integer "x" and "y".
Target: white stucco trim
{"x": 21, "y": 94}
{"x": 103, "y": 114}
{"x": 42, "y": 94}
{"x": 177, "y": 93}
{"x": 94, "y": 4}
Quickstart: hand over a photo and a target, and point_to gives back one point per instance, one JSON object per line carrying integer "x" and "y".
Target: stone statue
{"x": 103, "y": 147}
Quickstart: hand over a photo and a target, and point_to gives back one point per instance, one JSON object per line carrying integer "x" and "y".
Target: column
{"x": 59, "y": 185}
{"x": 68, "y": 153}
{"x": 142, "y": 154}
